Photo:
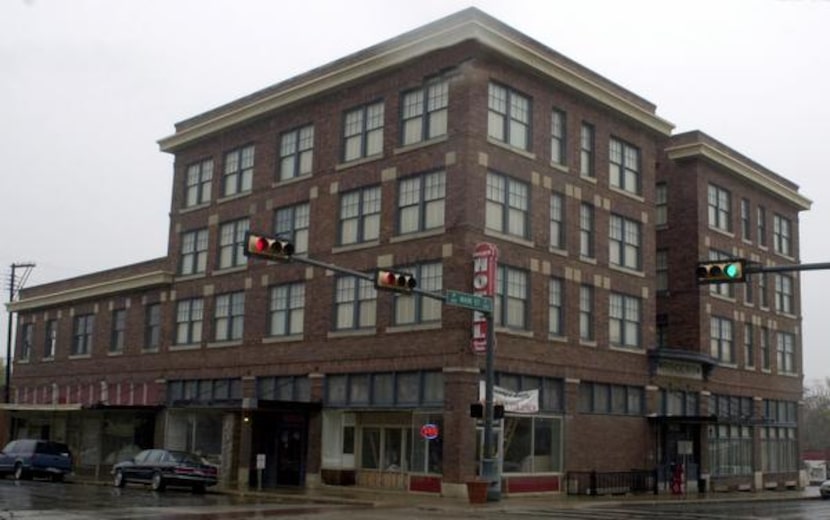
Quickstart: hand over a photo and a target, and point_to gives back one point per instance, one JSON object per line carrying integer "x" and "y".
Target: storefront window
{"x": 370, "y": 449}
{"x": 532, "y": 444}
{"x": 427, "y": 454}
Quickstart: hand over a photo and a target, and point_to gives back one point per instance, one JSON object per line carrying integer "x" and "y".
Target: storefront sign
{"x": 526, "y": 401}
{"x": 485, "y": 257}
{"x": 673, "y": 368}
{"x": 429, "y": 431}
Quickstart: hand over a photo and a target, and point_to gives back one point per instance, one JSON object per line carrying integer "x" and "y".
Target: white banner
{"x": 526, "y": 401}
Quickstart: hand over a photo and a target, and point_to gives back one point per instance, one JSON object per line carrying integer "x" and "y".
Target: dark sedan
{"x": 160, "y": 468}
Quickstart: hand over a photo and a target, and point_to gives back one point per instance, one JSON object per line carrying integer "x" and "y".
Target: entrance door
{"x": 681, "y": 445}
{"x": 290, "y": 450}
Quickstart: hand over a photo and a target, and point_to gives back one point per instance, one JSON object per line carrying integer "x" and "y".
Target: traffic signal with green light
{"x": 721, "y": 271}
{"x": 395, "y": 281}
{"x": 267, "y": 247}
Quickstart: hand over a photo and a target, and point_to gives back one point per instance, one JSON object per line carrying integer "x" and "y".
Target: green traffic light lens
{"x": 732, "y": 270}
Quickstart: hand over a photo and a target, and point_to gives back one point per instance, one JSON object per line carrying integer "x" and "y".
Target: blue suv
{"x": 27, "y": 458}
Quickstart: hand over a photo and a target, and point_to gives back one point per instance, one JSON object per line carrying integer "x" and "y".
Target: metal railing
{"x": 596, "y": 483}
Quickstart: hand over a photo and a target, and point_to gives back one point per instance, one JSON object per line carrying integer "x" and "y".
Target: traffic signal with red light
{"x": 267, "y": 247}
{"x": 395, "y": 281}
{"x": 721, "y": 271}
{"x": 477, "y": 411}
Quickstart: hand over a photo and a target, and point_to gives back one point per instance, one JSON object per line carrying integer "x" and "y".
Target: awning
{"x": 683, "y": 419}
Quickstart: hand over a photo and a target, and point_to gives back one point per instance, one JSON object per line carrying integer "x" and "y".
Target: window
{"x": 194, "y": 252}
{"x": 532, "y": 444}
{"x": 286, "y": 308}
{"x": 609, "y": 399}
{"x": 507, "y": 206}
{"x": 189, "y": 315}
{"x": 383, "y": 448}
{"x": 586, "y": 150}
{"x": 766, "y": 360}
{"x": 781, "y": 235}
{"x": 678, "y": 402}
{"x": 586, "y": 313}
{"x": 624, "y": 166}
{"x": 427, "y": 454}
{"x": 360, "y": 216}
{"x": 82, "y": 329}
{"x": 586, "y": 230}
{"x": 296, "y": 153}
{"x": 421, "y": 202}
{"x": 730, "y": 450}
{"x": 556, "y": 307}
{"x": 51, "y": 339}
{"x": 784, "y": 300}
{"x": 557, "y": 221}
{"x": 152, "y": 326}
{"x": 662, "y": 262}
{"x": 558, "y": 137}
{"x": 662, "y": 330}
{"x": 662, "y": 201}
{"x": 762, "y": 226}
{"x": 292, "y": 223}
{"x": 414, "y": 308}
{"x": 355, "y": 303}
{"x": 424, "y": 113}
{"x": 786, "y": 353}
{"x": 119, "y": 325}
{"x": 720, "y": 208}
{"x": 779, "y": 450}
{"x": 721, "y": 340}
{"x": 624, "y": 320}
{"x": 363, "y": 132}
{"x": 231, "y": 242}
{"x": 511, "y": 305}
{"x": 745, "y": 222}
{"x": 762, "y": 290}
{"x": 27, "y": 331}
{"x": 198, "y": 183}
{"x": 228, "y": 318}
{"x": 749, "y": 346}
{"x": 508, "y": 118}
{"x": 239, "y": 170}
{"x": 624, "y": 242}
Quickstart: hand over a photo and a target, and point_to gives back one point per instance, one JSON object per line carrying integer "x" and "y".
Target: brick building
{"x": 407, "y": 155}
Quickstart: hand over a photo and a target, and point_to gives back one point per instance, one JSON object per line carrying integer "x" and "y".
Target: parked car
{"x": 160, "y": 468}
{"x": 27, "y": 458}
{"x": 824, "y": 489}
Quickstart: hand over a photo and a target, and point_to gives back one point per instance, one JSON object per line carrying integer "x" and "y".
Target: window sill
{"x": 564, "y": 168}
{"x": 223, "y": 344}
{"x": 510, "y": 148}
{"x": 188, "y": 277}
{"x": 357, "y": 162}
{"x": 351, "y": 333}
{"x": 588, "y": 343}
{"x": 588, "y": 259}
{"x": 723, "y": 232}
{"x": 115, "y": 353}
{"x": 515, "y": 332}
{"x": 47, "y": 359}
{"x": 629, "y": 350}
{"x": 434, "y": 325}
{"x": 188, "y": 346}
{"x": 150, "y": 350}
{"x": 282, "y": 339}
{"x": 194, "y": 208}
{"x": 420, "y": 144}
{"x": 235, "y": 196}
{"x": 292, "y": 180}
{"x": 355, "y": 247}
{"x": 557, "y": 338}
{"x": 627, "y": 270}
{"x": 417, "y": 235}
{"x": 509, "y": 238}
{"x": 230, "y": 270}
{"x": 629, "y": 194}
{"x": 79, "y": 356}
{"x": 588, "y": 178}
{"x": 557, "y": 251}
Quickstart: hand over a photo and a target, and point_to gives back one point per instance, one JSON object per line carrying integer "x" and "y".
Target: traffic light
{"x": 721, "y": 271}
{"x": 270, "y": 248}
{"x": 395, "y": 281}
{"x": 477, "y": 411}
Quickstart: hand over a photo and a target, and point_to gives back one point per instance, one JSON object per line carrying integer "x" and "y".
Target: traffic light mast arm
{"x": 752, "y": 267}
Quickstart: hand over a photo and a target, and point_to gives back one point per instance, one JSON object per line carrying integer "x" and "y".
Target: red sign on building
{"x": 485, "y": 257}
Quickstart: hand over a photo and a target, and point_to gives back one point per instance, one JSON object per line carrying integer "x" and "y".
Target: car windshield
{"x": 184, "y": 457}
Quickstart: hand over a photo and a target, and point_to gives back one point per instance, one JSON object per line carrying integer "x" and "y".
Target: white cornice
{"x": 131, "y": 283}
{"x": 740, "y": 168}
{"x": 430, "y": 41}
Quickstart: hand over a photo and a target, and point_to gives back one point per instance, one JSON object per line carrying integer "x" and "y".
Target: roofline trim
{"x": 741, "y": 168}
{"x": 131, "y": 283}
{"x": 455, "y": 34}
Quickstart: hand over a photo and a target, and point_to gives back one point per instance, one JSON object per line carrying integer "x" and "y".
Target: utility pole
{"x": 13, "y": 288}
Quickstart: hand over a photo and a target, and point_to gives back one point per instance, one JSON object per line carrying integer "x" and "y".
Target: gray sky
{"x": 87, "y": 87}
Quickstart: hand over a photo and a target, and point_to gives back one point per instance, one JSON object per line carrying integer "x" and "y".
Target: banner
{"x": 526, "y": 401}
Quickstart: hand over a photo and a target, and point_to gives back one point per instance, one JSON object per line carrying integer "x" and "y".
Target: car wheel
{"x": 157, "y": 484}
{"x": 199, "y": 489}
{"x": 19, "y": 474}
{"x": 118, "y": 480}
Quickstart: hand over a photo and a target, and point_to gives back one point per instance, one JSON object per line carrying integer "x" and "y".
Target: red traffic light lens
{"x": 261, "y": 244}
{"x": 389, "y": 278}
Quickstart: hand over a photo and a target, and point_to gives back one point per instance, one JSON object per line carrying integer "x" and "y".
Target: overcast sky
{"x": 87, "y": 87}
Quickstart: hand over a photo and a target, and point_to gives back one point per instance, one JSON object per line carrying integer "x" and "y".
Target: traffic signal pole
{"x": 758, "y": 268}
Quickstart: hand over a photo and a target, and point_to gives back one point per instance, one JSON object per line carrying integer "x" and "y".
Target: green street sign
{"x": 469, "y": 301}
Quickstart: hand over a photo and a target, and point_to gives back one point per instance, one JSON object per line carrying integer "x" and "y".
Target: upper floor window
{"x": 557, "y": 221}
{"x": 296, "y": 152}
{"x": 292, "y": 223}
{"x": 745, "y": 222}
{"x": 421, "y": 202}
{"x": 50, "y": 339}
{"x": 239, "y": 170}
{"x": 194, "y": 252}
{"x": 414, "y": 308}
{"x": 662, "y": 261}
{"x": 424, "y": 112}
{"x": 198, "y": 183}
{"x": 512, "y": 298}
{"x": 231, "y": 240}
{"x": 508, "y": 118}
{"x": 782, "y": 235}
{"x": 228, "y": 318}
{"x": 558, "y": 137}
{"x": 749, "y": 346}
{"x": 586, "y": 230}
{"x": 720, "y": 208}
{"x": 661, "y": 195}
{"x": 762, "y": 290}
{"x": 355, "y": 303}
{"x": 762, "y": 226}
{"x": 586, "y": 312}
{"x": 360, "y": 215}
{"x": 152, "y": 326}
{"x": 625, "y": 242}
{"x": 764, "y": 347}
{"x": 286, "y": 307}
{"x": 82, "y": 329}
{"x": 363, "y": 132}
{"x": 624, "y": 166}
{"x": 786, "y": 353}
{"x": 586, "y": 150}
{"x": 189, "y": 316}
{"x": 119, "y": 326}
{"x": 624, "y": 320}
{"x": 507, "y": 206}
{"x": 721, "y": 339}
{"x": 27, "y": 333}
{"x": 556, "y": 307}
{"x": 784, "y": 299}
